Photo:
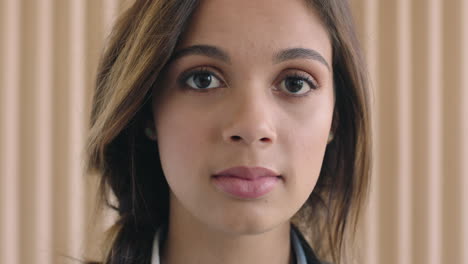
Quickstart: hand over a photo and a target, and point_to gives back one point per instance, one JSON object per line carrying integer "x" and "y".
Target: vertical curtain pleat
{"x": 61, "y": 131}
{"x": 370, "y": 41}
{"x": 404, "y": 98}
{"x": 10, "y": 107}
{"x": 434, "y": 142}
{"x": 417, "y": 55}
{"x": 76, "y": 122}
{"x": 464, "y": 131}
{"x": 450, "y": 94}
{"x": 44, "y": 100}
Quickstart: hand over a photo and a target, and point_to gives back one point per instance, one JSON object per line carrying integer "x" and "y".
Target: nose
{"x": 250, "y": 122}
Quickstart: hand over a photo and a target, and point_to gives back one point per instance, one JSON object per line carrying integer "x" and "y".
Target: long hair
{"x": 140, "y": 45}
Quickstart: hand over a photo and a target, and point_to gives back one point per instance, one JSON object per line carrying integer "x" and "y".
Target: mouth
{"x": 246, "y": 188}
{"x": 245, "y": 178}
{"x": 248, "y": 173}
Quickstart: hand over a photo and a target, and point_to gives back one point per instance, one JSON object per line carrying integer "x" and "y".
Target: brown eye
{"x": 293, "y": 84}
{"x": 297, "y": 85}
{"x": 201, "y": 80}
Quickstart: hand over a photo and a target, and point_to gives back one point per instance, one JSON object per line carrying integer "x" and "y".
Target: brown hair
{"x": 141, "y": 44}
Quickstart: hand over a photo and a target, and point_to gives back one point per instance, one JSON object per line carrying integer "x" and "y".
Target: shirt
{"x": 296, "y": 244}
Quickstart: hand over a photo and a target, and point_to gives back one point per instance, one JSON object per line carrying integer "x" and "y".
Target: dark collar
{"x": 309, "y": 253}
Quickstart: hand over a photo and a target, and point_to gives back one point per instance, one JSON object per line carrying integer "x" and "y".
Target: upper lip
{"x": 249, "y": 173}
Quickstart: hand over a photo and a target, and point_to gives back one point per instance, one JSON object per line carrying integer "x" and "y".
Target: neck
{"x": 190, "y": 241}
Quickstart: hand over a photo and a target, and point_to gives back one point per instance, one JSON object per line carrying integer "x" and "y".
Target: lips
{"x": 246, "y": 182}
{"x": 248, "y": 173}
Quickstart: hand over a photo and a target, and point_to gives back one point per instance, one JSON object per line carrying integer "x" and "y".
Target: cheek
{"x": 307, "y": 147}
{"x": 308, "y": 153}
{"x": 180, "y": 137}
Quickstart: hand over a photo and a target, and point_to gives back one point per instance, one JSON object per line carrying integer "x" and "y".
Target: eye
{"x": 201, "y": 79}
{"x": 297, "y": 84}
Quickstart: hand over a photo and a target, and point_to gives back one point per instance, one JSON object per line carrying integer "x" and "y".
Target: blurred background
{"x": 417, "y": 53}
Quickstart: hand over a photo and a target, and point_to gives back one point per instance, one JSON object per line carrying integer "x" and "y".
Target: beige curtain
{"x": 418, "y": 62}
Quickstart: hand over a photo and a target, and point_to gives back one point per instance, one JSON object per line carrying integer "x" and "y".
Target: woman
{"x": 232, "y": 132}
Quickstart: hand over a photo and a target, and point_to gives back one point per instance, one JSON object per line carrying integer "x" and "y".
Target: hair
{"x": 128, "y": 164}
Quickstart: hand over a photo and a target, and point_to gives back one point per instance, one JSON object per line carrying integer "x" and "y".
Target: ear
{"x": 334, "y": 126}
{"x": 150, "y": 130}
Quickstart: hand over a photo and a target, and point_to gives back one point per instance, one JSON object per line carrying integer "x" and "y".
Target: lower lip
{"x": 245, "y": 188}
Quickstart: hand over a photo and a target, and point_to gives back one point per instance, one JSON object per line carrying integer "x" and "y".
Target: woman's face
{"x": 257, "y": 92}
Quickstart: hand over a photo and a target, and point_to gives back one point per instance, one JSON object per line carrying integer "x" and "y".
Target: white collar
{"x": 297, "y": 247}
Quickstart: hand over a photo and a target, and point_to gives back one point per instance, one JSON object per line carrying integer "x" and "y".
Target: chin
{"x": 245, "y": 224}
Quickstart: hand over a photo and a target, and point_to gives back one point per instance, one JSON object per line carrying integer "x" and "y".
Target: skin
{"x": 248, "y": 118}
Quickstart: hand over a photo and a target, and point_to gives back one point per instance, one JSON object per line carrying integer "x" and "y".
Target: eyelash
{"x": 204, "y": 70}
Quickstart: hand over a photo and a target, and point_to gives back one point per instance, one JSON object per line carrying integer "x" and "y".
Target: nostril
{"x": 235, "y": 138}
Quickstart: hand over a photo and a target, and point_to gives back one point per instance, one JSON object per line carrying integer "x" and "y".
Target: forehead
{"x": 257, "y": 28}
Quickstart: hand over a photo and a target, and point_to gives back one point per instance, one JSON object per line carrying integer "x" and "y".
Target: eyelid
{"x": 301, "y": 74}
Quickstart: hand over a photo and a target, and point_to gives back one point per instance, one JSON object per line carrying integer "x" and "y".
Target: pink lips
{"x": 246, "y": 182}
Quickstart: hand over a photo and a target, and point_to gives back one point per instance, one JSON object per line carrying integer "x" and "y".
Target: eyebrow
{"x": 300, "y": 53}
{"x": 206, "y": 50}
{"x": 283, "y": 55}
